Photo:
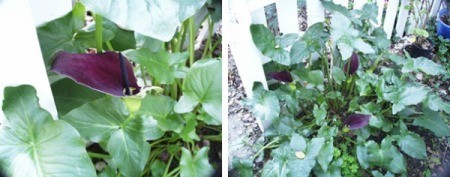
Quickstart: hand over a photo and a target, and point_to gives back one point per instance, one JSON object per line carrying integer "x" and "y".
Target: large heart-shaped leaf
{"x": 413, "y": 145}
{"x": 433, "y": 121}
{"x": 203, "y": 84}
{"x": 101, "y": 71}
{"x": 266, "y": 43}
{"x": 161, "y": 65}
{"x": 32, "y": 144}
{"x": 264, "y": 104}
{"x": 155, "y": 18}
{"x": 108, "y": 120}
{"x": 195, "y": 166}
{"x": 161, "y": 109}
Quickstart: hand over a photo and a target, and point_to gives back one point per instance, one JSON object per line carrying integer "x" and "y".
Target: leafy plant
{"x": 156, "y": 114}
{"x": 351, "y": 108}
{"x": 420, "y": 15}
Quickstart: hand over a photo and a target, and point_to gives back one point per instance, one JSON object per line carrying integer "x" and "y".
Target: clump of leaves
{"x": 346, "y": 112}
{"x": 156, "y": 114}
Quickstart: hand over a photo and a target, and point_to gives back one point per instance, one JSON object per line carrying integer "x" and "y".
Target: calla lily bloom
{"x": 104, "y": 72}
{"x": 357, "y": 121}
{"x": 283, "y": 76}
{"x": 354, "y": 64}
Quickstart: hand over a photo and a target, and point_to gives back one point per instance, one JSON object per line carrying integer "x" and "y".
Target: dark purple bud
{"x": 357, "y": 121}
{"x": 354, "y": 64}
{"x": 101, "y": 72}
{"x": 283, "y": 76}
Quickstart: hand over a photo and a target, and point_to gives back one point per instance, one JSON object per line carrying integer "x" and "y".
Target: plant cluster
{"x": 339, "y": 103}
{"x": 158, "y": 115}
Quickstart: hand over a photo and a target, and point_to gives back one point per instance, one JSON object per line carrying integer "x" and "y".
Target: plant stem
{"x": 143, "y": 74}
{"x": 213, "y": 137}
{"x": 98, "y": 32}
{"x": 208, "y": 46}
{"x": 192, "y": 33}
{"x": 174, "y": 90}
{"x": 98, "y": 155}
{"x": 176, "y": 170}
{"x": 266, "y": 146}
{"x": 110, "y": 47}
{"x": 214, "y": 46}
{"x": 168, "y": 166}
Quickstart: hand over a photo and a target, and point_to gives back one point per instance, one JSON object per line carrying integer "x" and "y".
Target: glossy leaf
{"x": 264, "y": 104}
{"x": 320, "y": 114}
{"x": 149, "y": 17}
{"x": 188, "y": 133}
{"x": 326, "y": 155}
{"x": 283, "y": 76}
{"x": 413, "y": 145}
{"x": 407, "y": 96}
{"x": 298, "y": 143}
{"x": 161, "y": 65}
{"x": 244, "y": 166}
{"x": 203, "y": 85}
{"x": 357, "y": 121}
{"x": 101, "y": 72}
{"x": 195, "y": 166}
{"x": 108, "y": 120}
{"x": 424, "y": 65}
{"x": 433, "y": 121}
{"x": 32, "y": 144}
{"x": 338, "y": 75}
{"x": 161, "y": 109}
{"x": 266, "y": 43}
{"x": 150, "y": 128}
{"x": 380, "y": 156}
{"x": 398, "y": 163}
{"x": 303, "y": 167}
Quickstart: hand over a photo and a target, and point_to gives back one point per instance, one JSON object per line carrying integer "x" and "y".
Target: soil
{"x": 445, "y": 19}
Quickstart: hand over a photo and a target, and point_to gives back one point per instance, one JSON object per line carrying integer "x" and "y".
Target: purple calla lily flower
{"x": 101, "y": 72}
{"x": 357, "y": 121}
{"x": 354, "y": 64}
{"x": 283, "y": 76}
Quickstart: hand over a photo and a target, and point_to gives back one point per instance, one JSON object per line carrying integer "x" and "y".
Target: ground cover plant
{"x": 134, "y": 96}
{"x": 339, "y": 104}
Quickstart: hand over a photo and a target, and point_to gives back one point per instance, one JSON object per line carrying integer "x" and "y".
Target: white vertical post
{"x": 380, "y": 4}
{"x": 48, "y": 10}
{"x": 359, "y": 4}
{"x": 315, "y": 12}
{"x": 435, "y": 7}
{"x": 287, "y": 12}
{"x": 341, "y": 2}
{"x": 24, "y": 64}
{"x": 391, "y": 13}
{"x": 259, "y": 16}
{"x": 402, "y": 17}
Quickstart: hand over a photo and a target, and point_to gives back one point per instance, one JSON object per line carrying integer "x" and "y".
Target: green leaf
{"x": 244, "y": 166}
{"x": 408, "y": 96}
{"x": 70, "y": 95}
{"x": 326, "y": 155}
{"x": 424, "y": 65}
{"x": 300, "y": 52}
{"x": 150, "y": 18}
{"x": 161, "y": 65}
{"x": 195, "y": 166}
{"x": 381, "y": 157}
{"x": 266, "y": 43}
{"x": 320, "y": 114}
{"x": 147, "y": 42}
{"x": 264, "y": 104}
{"x": 298, "y": 142}
{"x": 338, "y": 75}
{"x": 316, "y": 79}
{"x": 398, "y": 164}
{"x": 434, "y": 122}
{"x": 413, "y": 145}
{"x": 362, "y": 156}
{"x": 150, "y": 128}
{"x": 286, "y": 40}
{"x": 157, "y": 168}
{"x": 161, "y": 109}
{"x": 108, "y": 120}
{"x": 303, "y": 167}
{"x": 58, "y": 34}
{"x": 188, "y": 133}
{"x": 203, "y": 84}
{"x": 363, "y": 46}
{"x": 32, "y": 144}
{"x": 274, "y": 168}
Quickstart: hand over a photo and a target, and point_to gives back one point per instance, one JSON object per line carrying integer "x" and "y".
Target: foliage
{"x": 167, "y": 126}
{"x": 332, "y": 122}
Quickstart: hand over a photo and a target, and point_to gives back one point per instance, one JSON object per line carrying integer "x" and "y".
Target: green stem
{"x": 349, "y": 140}
{"x": 266, "y": 146}
{"x": 159, "y": 141}
{"x": 98, "y": 33}
{"x": 174, "y": 171}
{"x": 168, "y": 166}
{"x": 143, "y": 74}
{"x": 192, "y": 33}
{"x": 110, "y": 47}
{"x": 217, "y": 43}
{"x": 213, "y": 137}
{"x": 183, "y": 35}
{"x": 174, "y": 91}
{"x": 208, "y": 46}
{"x": 98, "y": 155}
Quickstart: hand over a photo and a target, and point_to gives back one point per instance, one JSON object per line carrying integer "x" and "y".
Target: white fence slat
{"x": 315, "y": 12}
{"x": 48, "y": 10}
{"x": 342, "y": 3}
{"x": 402, "y": 18}
{"x": 359, "y": 4}
{"x": 380, "y": 4}
{"x": 246, "y": 55}
{"x": 435, "y": 8}
{"x": 24, "y": 64}
{"x": 287, "y": 13}
{"x": 391, "y": 13}
{"x": 259, "y": 16}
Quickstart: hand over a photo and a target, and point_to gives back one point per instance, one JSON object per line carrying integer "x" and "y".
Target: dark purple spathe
{"x": 100, "y": 72}
{"x": 354, "y": 64}
{"x": 357, "y": 121}
{"x": 283, "y": 76}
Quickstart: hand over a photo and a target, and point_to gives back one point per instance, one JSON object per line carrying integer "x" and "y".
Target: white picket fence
{"x": 243, "y": 13}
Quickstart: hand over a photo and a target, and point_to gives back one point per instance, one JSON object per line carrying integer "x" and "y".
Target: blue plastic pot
{"x": 442, "y": 28}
